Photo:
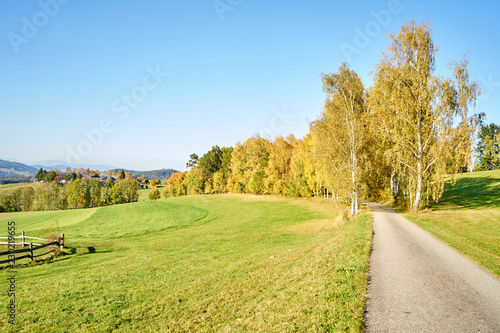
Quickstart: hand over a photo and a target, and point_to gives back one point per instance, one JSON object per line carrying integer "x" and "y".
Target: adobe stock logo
{"x": 277, "y": 124}
{"x": 363, "y": 37}
{"x": 31, "y": 27}
{"x": 488, "y": 86}
{"x": 121, "y": 107}
{"x": 223, "y": 6}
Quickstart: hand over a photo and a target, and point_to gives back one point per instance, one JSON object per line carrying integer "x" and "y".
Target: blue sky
{"x": 143, "y": 84}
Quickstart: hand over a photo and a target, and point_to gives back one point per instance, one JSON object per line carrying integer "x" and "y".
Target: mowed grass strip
{"x": 200, "y": 264}
{"x": 468, "y": 218}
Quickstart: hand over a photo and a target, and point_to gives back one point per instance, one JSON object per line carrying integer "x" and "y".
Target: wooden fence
{"x": 32, "y": 247}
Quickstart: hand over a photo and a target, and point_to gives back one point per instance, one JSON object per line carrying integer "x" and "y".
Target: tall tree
{"x": 488, "y": 148}
{"x": 278, "y": 171}
{"x": 418, "y": 111}
{"x": 248, "y": 163}
{"x": 339, "y": 133}
{"x": 303, "y": 169}
{"x": 41, "y": 175}
{"x": 193, "y": 161}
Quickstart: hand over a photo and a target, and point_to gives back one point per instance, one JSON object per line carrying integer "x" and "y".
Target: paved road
{"x": 419, "y": 284}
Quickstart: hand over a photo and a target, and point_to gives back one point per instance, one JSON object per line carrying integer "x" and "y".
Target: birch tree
{"x": 425, "y": 116}
{"x": 339, "y": 133}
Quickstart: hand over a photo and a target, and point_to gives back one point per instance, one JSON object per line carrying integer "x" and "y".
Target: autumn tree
{"x": 302, "y": 169}
{"x": 154, "y": 194}
{"x": 193, "y": 181}
{"x": 74, "y": 193}
{"x": 339, "y": 133}
{"x": 424, "y": 116}
{"x": 278, "y": 171}
{"x": 176, "y": 187}
{"x": 248, "y": 163}
{"x": 95, "y": 189}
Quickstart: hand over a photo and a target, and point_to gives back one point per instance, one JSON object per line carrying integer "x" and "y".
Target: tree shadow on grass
{"x": 470, "y": 192}
{"x": 65, "y": 254}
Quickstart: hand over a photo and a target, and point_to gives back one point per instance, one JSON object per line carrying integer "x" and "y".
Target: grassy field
{"x": 9, "y": 188}
{"x": 143, "y": 193}
{"x": 468, "y": 218}
{"x": 198, "y": 263}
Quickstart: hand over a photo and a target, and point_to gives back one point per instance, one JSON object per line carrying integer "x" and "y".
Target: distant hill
{"x": 8, "y": 168}
{"x": 154, "y": 174}
{"x": 14, "y": 172}
{"x": 62, "y": 166}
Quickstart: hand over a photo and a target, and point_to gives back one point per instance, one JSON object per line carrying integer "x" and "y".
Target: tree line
{"x": 78, "y": 193}
{"x": 396, "y": 140}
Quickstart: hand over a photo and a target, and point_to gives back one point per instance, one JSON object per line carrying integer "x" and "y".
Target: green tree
{"x": 106, "y": 190}
{"x": 117, "y": 193}
{"x": 87, "y": 197}
{"x": 488, "y": 149}
{"x": 193, "y": 161}
{"x": 41, "y": 174}
{"x": 50, "y": 176}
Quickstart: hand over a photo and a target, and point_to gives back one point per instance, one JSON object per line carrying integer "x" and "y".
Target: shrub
{"x": 154, "y": 194}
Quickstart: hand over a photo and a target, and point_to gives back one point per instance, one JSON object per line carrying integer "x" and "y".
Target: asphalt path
{"x": 419, "y": 284}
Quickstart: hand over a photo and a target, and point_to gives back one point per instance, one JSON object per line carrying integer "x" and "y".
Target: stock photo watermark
{"x": 489, "y": 86}
{"x": 120, "y": 107}
{"x": 364, "y": 36}
{"x": 32, "y": 25}
{"x": 277, "y": 124}
{"x": 11, "y": 293}
{"x": 223, "y": 6}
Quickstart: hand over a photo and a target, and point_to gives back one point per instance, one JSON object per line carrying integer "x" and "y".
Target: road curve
{"x": 419, "y": 284}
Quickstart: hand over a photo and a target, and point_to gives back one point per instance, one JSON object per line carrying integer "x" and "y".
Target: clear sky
{"x": 143, "y": 84}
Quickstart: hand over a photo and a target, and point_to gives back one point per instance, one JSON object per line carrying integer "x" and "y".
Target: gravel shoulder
{"x": 419, "y": 284}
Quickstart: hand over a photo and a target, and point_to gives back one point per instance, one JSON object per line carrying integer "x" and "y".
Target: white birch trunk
{"x": 354, "y": 201}
{"x": 418, "y": 192}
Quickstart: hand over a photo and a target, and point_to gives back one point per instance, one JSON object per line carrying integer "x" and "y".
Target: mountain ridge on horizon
{"x": 19, "y": 169}
{"x": 62, "y": 165}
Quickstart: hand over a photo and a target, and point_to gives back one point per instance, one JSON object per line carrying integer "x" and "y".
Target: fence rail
{"x": 32, "y": 247}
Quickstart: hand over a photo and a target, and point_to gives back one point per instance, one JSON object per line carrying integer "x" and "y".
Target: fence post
{"x": 31, "y": 252}
{"x": 22, "y": 238}
{"x": 61, "y": 242}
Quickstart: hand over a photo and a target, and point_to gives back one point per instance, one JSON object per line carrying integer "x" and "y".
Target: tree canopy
{"x": 395, "y": 140}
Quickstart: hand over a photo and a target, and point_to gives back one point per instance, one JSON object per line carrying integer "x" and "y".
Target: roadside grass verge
{"x": 197, "y": 263}
{"x": 468, "y": 218}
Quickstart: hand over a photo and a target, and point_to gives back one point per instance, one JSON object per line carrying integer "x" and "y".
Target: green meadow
{"x": 196, "y": 263}
{"x": 468, "y": 218}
